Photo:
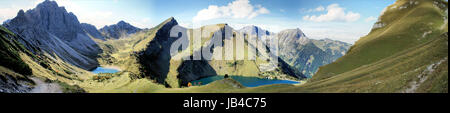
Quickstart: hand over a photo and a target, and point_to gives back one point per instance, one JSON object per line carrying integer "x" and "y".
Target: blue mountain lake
{"x": 246, "y": 81}
{"x": 104, "y": 70}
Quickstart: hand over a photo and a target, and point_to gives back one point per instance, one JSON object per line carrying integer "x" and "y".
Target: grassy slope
{"x": 404, "y": 30}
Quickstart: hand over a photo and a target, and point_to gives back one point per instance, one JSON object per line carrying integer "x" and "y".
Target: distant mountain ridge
{"x": 302, "y": 53}
{"x": 255, "y": 30}
{"x": 121, "y": 29}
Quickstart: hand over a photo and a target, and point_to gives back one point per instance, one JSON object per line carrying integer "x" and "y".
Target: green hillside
{"x": 403, "y": 29}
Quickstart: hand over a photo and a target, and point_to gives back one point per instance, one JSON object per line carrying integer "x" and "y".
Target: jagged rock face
{"x": 307, "y": 55}
{"x": 54, "y": 19}
{"x": 92, "y": 31}
{"x": 118, "y": 30}
{"x": 57, "y": 32}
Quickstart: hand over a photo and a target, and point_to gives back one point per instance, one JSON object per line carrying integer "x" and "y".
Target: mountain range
{"x": 121, "y": 29}
{"x": 301, "y": 52}
{"x": 406, "y": 51}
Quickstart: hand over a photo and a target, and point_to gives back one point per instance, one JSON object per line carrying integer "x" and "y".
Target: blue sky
{"x": 345, "y": 20}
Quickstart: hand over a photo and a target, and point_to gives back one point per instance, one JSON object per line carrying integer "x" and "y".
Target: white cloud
{"x": 238, "y": 9}
{"x": 97, "y": 18}
{"x": 186, "y": 24}
{"x": 347, "y": 32}
{"x": 7, "y": 13}
{"x": 334, "y": 14}
{"x": 318, "y": 9}
{"x": 371, "y": 18}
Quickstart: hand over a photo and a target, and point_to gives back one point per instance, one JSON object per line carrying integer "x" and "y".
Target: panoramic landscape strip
{"x": 227, "y": 46}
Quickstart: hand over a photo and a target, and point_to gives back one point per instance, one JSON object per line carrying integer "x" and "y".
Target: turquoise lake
{"x": 104, "y": 70}
{"x": 246, "y": 81}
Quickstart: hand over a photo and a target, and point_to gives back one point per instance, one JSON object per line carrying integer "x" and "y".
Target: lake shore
{"x": 112, "y": 67}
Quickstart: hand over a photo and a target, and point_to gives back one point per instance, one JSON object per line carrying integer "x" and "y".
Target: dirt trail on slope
{"x": 42, "y": 87}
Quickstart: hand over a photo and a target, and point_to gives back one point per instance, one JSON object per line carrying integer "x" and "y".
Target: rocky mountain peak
{"x": 118, "y": 30}
{"x": 49, "y": 16}
{"x": 49, "y": 6}
{"x": 297, "y": 34}
{"x": 57, "y": 31}
{"x": 171, "y": 21}
{"x": 49, "y": 2}
{"x": 300, "y": 33}
{"x": 123, "y": 23}
{"x": 21, "y": 13}
{"x": 168, "y": 24}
